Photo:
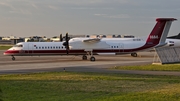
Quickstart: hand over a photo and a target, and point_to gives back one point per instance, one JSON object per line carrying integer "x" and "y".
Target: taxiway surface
{"x": 34, "y": 64}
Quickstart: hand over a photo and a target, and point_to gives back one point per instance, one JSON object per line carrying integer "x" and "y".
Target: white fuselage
{"x": 77, "y": 47}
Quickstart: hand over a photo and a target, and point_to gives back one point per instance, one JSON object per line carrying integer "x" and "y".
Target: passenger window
{"x": 39, "y": 47}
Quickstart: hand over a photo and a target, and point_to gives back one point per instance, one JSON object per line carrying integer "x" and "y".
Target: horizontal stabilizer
{"x": 174, "y": 37}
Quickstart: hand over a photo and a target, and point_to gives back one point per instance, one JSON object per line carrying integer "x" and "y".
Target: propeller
{"x": 60, "y": 38}
{"x": 66, "y": 43}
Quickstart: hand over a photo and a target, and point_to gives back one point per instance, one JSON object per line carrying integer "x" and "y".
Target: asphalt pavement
{"x": 35, "y": 64}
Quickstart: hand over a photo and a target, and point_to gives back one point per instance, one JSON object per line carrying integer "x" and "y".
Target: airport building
{"x": 35, "y": 39}
{"x": 55, "y": 39}
{"x": 110, "y": 36}
{"x": 11, "y": 40}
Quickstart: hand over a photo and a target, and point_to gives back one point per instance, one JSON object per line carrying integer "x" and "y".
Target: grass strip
{"x": 165, "y": 67}
{"x": 5, "y": 47}
{"x": 72, "y": 86}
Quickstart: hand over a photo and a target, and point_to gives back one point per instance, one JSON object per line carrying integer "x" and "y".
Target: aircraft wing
{"x": 92, "y": 40}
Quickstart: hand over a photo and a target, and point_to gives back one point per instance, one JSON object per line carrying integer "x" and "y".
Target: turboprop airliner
{"x": 95, "y": 46}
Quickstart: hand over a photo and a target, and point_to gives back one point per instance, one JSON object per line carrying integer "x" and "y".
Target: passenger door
{"x": 30, "y": 48}
{"x": 121, "y": 47}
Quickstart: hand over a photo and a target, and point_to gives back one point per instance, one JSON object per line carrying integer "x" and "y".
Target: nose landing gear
{"x": 13, "y": 58}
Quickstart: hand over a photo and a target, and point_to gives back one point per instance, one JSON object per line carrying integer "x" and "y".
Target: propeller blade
{"x": 60, "y": 38}
{"x": 67, "y": 43}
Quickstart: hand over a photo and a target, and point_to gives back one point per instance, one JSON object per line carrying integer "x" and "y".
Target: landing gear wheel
{"x": 84, "y": 57}
{"x": 13, "y": 58}
{"x": 134, "y": 54}
{"x": 92, "y": 59}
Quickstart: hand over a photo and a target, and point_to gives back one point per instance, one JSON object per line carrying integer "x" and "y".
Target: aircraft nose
{"x": 6, "y": 52}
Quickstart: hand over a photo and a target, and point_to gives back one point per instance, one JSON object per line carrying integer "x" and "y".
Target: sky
{"x": 24, "y": 18}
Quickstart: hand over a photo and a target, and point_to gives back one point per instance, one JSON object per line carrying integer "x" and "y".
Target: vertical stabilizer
{"x": 160, "y": 31}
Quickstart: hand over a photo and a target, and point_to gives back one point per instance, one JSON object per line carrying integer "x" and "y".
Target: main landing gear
{"x": 84, "y": 57}
{"x": 13, "y": 58}
{"x": 134, "y": 54}
{"x": 92, "y": 58}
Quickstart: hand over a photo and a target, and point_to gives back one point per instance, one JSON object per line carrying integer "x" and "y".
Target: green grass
{"x": 5, "y": 47}
{"x": 70, "y": 86}
{"x": 166, "y": 67}
{"x": 1, "y": 95}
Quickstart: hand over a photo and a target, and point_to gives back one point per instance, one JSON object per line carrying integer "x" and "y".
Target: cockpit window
{"x": 18, "y": 46}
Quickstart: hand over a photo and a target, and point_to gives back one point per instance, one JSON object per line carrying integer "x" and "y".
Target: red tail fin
{"x": 159, "y": 32}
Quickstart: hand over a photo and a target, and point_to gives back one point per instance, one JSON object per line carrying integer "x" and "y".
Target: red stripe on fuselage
{"x": 63, "y": 52}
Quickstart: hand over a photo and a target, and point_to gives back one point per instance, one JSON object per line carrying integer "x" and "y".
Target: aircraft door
{"x": 121, "y": 47}
{"x": 30, "y": 48}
